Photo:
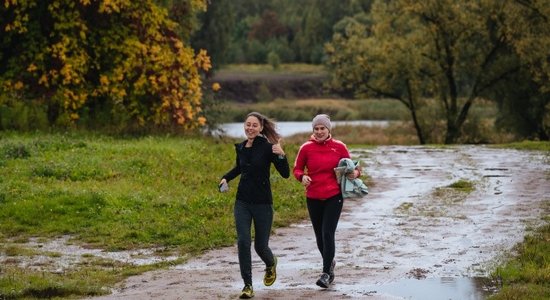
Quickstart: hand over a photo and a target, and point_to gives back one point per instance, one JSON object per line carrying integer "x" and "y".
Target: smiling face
{"x": 252, "y": 127}
{"x": 321, "y": 132}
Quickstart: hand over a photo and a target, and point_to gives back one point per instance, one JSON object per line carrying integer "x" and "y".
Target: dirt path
{"x": 409, "y": 226}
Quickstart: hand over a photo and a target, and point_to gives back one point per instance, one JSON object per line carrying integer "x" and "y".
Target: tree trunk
{"x": 412, "y": 109}
{"x": 419, "y": 132}
{"x": 53, "y": 113}
{"x": 454, "y": 126}
{"x": 452, "y": 132}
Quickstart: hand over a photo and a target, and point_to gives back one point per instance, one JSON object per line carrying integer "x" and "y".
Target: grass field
{"x": 120, "y": 194}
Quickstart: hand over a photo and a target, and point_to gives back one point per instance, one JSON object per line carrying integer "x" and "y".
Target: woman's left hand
{"x": 277, "y": 149}
{"x": 354, "y": 174}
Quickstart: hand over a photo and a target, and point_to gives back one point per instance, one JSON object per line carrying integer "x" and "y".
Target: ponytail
{"x": 269, "y": 127}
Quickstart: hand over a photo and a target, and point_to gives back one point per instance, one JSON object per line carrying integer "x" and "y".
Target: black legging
{"x": 262, "y": 216}
{"x": 324, "y": 215}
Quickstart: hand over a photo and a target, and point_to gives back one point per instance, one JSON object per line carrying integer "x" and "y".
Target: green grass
{"x": 528, "y": 145}
{"x": 527, "y": 274}
{"x": 117, "y": 194}
{"x": 462, "y": 185}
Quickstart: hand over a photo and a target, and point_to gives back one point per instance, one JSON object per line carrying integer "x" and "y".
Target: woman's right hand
{"x": 306, "y": 180}
{"x": 223, "y": 186}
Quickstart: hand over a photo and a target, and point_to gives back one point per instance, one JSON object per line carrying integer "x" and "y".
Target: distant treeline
{"x": 267, "y": 31}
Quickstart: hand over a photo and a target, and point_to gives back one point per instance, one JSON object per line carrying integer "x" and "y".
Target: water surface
{"x": 289, "y": 128}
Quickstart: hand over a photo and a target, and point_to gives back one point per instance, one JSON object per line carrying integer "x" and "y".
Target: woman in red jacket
{"x": 314, "y": 168}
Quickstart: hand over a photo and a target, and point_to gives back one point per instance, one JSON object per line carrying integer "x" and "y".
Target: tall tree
{"x": 215, "y": 32}
{"x": 524, "y": 99}
{"x": 310, "y": 37}
{"x": 524, "y": 109}
{"x": 453, "y": 51}
{"x": 73, "y": 54}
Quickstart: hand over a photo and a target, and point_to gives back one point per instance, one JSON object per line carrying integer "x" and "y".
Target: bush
{"x": 264, "y": 95}
{"x": 14, "y": 151}
{"x": 23, "y": 116}
{"x": 274, "y": 60}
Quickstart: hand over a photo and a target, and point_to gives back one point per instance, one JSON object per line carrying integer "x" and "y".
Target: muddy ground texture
{"x": 410, "y": 227}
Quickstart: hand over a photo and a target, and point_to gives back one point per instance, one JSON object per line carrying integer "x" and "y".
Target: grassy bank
{"x": 116, "y": 194}
{"x": 305, "y": 109}
{"x": 526, "y": 275}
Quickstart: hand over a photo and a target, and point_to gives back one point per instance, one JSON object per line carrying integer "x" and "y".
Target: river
{"x": 289, "y": 128}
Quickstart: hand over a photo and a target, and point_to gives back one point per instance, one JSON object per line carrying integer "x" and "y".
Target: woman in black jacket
{"x": 254, "y": 201}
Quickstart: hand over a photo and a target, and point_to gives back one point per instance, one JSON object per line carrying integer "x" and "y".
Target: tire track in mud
{"x": 409, "y": 226}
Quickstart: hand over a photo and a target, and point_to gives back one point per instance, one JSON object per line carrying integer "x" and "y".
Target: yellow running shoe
{"x": 247, "y": 292}
{"x": 271, "y": 273}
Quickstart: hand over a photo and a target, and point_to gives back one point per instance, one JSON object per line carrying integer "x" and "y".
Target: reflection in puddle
{"x": 447, "y": 288}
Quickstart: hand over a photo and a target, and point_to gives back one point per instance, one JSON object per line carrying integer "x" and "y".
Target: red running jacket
{"x": 318, "y": 160}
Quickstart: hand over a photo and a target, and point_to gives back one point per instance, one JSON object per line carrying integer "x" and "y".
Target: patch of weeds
{"x": 462, "y": 185}
{"x": 436, "y": 212}
{"x": 404, "y": 207}
{"x": 92, "y": 277}
{"x": 59, "y": 211}
{"x": 453, "y": 193}
{"x": 20, "y": 239}
{"x": 15, "y": 250}
{"x": 53, "y": 254}
{"x": 448, "y": 195}
{"x": 164, "y": 251}
{"x": 527, "y": 145}
{"x": 138, "y": 166}
{"x": 527, "y": 274}
{"x": 15, "y": 151}
{"x": 64, "y": 171}
{"x": 19, "y": 284}
{"x": 58, "y": 143}
{"x": 443, "y": 198}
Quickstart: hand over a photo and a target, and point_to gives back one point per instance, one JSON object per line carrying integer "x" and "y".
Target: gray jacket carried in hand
{"x": 350, "y": 187}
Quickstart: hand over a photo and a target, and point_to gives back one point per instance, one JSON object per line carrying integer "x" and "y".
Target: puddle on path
{"x": 446, "y": 288}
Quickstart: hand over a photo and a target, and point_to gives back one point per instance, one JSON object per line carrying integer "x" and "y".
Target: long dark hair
{"x": 269, "y": 130}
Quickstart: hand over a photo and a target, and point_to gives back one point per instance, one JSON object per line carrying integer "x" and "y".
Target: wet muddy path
{"x": 412, "y": 237}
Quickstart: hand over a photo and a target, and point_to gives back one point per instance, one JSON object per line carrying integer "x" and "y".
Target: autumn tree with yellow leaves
{"x": 88, "y": 57}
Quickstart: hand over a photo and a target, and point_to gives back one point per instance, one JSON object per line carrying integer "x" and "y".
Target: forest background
{"x": 148, "y": 66}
